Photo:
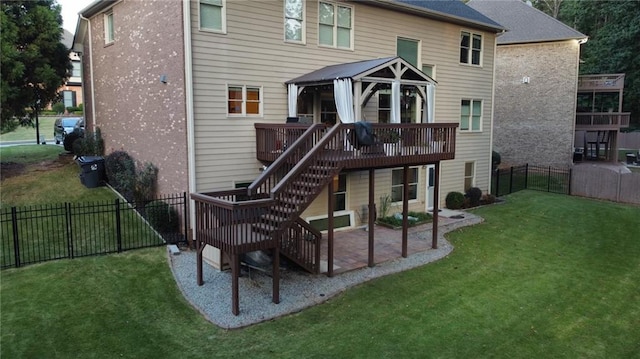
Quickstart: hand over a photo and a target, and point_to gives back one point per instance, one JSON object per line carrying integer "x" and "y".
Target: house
{"x": 265, "y": 95}
{"x": 71, "y": 91}
{"x": 536, "y": 79}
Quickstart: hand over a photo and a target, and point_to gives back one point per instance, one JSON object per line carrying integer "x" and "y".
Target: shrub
{"x": 474, "y": 194}
{"x": 495, "y": 160}
{"x": 9, "y": 125}
{"x": 58, "y": 107}
{"x": 162, "y": 217}
{"x": 70, "y": 139}
{"x": 146, "y": 183}
{"x": 489, "y": 199}
{"x": 414, "y": 218}
{"x": 121, "y": 173}
{"x": 454, "y": 200}
{"x": 91, "y": 144}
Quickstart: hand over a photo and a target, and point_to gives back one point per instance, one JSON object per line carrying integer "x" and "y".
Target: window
{"x": 69, "y": 98}
{"x": 384, "y": 106}
{"x": 108, "y": 28}
{"x": 340, "y": 192}
{"x": 469, "y": 175}
{"x": 77, "y": 69}
{"x": 471, "y": 115}
{"x": 397, "y": 184}
{"x": 244, "y": 100}
{"x": 335, "y": 25}
{"x": 294, "y": 20}
{"x": 408, "y": 50}
{"x": 470, "y": 48}
{"x": 429, "y": 70}
{"x": 212, "y": 15}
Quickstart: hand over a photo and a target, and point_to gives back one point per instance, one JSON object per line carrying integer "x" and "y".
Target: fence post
{"x": 16, "y": 242}
{"x": 549, "y": 180}
{"x": 526, "y": 176}
{"x": 118, "y": 226}
{"x": 185, "y": 215}
{"x": 511, "y": 180}
{"x": 67, "y": 214}
{"x": 497, "y": 182}
{"x": 569, "y": 187}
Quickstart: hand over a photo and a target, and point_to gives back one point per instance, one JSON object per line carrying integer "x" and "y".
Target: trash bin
{"x": 92, "y": 170}
{"x": 631, "y": 158}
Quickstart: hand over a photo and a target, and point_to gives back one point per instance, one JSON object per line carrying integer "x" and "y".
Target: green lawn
{"x": 546, "y": 276}
{"x": 27, "y": 154}
{"x": 29, "y": 133}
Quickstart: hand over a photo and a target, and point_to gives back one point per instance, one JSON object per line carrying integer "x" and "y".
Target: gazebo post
{"x": 372, "y": 214}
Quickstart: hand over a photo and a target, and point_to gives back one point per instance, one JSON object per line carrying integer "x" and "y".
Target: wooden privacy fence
{"x": 629, "y": 140}
{"x": 34, "y": 234}
{"x": 606, "y": 182}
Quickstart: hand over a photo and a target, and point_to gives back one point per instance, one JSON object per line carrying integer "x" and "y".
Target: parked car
{"x": 65, "y": 125}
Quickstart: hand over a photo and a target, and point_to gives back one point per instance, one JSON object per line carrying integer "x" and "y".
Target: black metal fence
{"x": 42, "y": 233}
{"x": 540, "y": 178}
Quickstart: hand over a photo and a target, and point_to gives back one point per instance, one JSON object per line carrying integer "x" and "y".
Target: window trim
{"x": 223, "y": 16}
{"x": 303, "y": 21}
{"x": 417, "y": 184}
{"x": 472, "y": 177}
{"x": 334, "y": 44}
{"x": 470, "y": 128}
{"x": 470, "y": 49}
{"x": 109, "y": 36}
{"x": 244, "y": 101}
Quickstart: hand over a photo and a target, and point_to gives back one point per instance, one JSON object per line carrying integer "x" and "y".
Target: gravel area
{"x": 298, "y": 290}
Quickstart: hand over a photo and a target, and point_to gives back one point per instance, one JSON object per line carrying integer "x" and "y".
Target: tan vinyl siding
{"x": 253, "y": 52}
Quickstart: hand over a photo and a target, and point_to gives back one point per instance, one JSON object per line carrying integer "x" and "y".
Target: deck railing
{"x": 397, "y": 144}
{"x": 602, "y": 120}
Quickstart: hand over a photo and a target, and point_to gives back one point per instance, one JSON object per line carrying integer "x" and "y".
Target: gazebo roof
{"x": 380, "y": 68}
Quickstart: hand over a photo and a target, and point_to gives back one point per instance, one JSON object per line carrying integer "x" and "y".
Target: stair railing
{"x": 290, "y": 156}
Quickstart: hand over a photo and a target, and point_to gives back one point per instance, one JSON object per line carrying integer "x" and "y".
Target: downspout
{"x": 493, "y": 110}
{"x": 188, "y": 83}
{"x": 93, "y": 89}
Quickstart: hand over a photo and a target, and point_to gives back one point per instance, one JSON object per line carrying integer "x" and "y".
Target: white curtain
{"x": 293, "y": 100}
{"x": 343, "y": 95}
{"x": 395, "y": 102}
{"x": 431, "y": 90}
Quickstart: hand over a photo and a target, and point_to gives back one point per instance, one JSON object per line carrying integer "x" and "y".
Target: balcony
{"x": 602, "y": 121}
{"x": 396, "y": 144}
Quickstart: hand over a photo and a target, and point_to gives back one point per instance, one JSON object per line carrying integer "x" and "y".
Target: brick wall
{"x": 534, "y": 122}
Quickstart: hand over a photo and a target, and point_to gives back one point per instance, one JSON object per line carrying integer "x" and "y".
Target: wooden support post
{"x": 235, "y": 273}
{"x": 200, "y": 248}
{"x": 276, "y": 275}
{"x": 436, "y": 205}
{"x": 405, "y": 210}
{"x": 372, "y": 214}
{"x": 330, "y": 225}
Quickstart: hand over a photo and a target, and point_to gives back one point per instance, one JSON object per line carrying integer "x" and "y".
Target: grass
{"x": 27, "y": 154}
{"x": 43, "y": 183}
{"x": 29, "y": 133}
{"x": 545, "y": 276}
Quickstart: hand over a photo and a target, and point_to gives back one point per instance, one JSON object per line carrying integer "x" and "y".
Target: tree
{"x": 613, "y": 28}
{"x": 34, "y": 61}
{"x": 550, "y": 7}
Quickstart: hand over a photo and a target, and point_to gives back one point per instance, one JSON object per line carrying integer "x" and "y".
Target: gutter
{"x": 93, "y": 88}
{"x": 188, "y": 84}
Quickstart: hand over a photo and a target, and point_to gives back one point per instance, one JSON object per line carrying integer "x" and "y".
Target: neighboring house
{"x": 536, "y": 79}
{"x": 206, "y": 98}
{"x": 71, "y": 91}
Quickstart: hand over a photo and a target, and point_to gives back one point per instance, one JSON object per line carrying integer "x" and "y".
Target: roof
{"x": 453, "y": 10}
{"x": 357, "y": 70}
{"x": 525, "y": 24}
{"x": 67, "y": 38}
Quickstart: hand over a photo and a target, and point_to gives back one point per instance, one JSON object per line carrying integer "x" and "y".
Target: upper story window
{"x": 244, "y": 100}
{"x": 471, "y": 115}
{"x": 470, "y": 48}
{"x": 108, "y": 28}
{"x": 335, "y": 25}
{"x": 294, "y": 21}
{"x": 77, "y": 69}
{"x": 409, "y": 50}
{"x": 213, "y": 15}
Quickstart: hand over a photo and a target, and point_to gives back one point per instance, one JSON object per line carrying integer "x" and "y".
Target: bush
{"x": 58, "y": 107}
{"x": 121, "y": 173}
{"x": 91, "y": 144}
{"x": 454, "y": 200}
{"x": 70, "y": 139}
{"x": 474, "y": 194}
{"x": 489, "y": 199}
{"x": 495, "y": 160}
{"x": 162, "y": 217}
{"x": 9, "y": 125}
{"x": 418, "y": 218}
{"x": 146, "y": 183}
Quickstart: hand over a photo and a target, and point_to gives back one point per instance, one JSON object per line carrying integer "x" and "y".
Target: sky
{"x": 70, "y": 10}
